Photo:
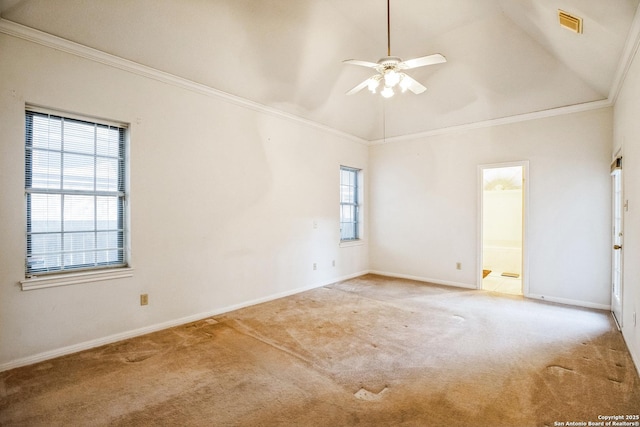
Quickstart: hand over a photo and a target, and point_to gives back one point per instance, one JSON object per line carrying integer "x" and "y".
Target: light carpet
{"x": 370, "y": 351}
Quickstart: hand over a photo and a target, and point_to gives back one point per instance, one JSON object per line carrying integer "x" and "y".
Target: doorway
{"x": 617, "y": 207}
{"x": 502, "y": 226}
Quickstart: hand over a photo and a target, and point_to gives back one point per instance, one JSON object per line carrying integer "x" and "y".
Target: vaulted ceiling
{"x": 504, "y": 57}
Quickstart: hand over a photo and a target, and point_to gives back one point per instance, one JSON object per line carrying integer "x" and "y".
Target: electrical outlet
{"x": 333, "y": 263}
{"x": 315, "y": 266}
{"x": 144, "y": 299}
{"x": 458, "y": 266}
{"x": 634, "y": 319}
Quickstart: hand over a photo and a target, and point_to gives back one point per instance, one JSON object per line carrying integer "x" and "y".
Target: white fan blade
{"x": 359, "y": 87}
{"x": 361, "y": 63}
{"x": 412, "y": 85}
{"x": 422, "y": 61}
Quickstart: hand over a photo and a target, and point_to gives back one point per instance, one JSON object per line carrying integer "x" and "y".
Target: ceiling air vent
{"x": 570, "y": 22}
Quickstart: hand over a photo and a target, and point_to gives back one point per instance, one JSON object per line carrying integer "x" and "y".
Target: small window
{"x": 75, "y": 193}
{"x": 349, "y": 204}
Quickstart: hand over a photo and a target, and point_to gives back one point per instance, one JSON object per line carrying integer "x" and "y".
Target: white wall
{"x": 627, "y": 138}
{"x": 424, "y": 201}
{"x": 223, "y": 202}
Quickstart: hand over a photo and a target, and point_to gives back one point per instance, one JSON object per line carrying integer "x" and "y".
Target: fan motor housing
{"x": 389, "y": 61}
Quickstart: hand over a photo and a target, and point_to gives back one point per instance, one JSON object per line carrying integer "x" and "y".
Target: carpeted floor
{"x": 371, "y": 351}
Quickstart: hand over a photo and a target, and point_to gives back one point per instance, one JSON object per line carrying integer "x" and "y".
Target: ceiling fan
{"x": 391, "y": 70}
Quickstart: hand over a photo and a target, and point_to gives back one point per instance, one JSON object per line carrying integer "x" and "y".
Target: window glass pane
{"x": 106, "y": 174}
{"x": 79, "y": 172}
{"x": 80, "y": 259}
{"x": 108, "y": 257}
{"x": 74, "y": 242}
{"x": 46, "y": 132}
{"x": 79, "y": 213}
{"x": 347, "y": 213}
{"x": 107, "y": 213}
{"x": 78, "y": 137}
{"x": 346, "y": 194}
{"x": 347, "y": 231}
{"x": 45, "y": 167}
{"x": 109, "y": 240}
{"x": 48, "y": 262}
{"x": 45, "y": 212}
{"x": 107, "y": 141}
{"x": 344, "y": 177}
{"x": 46, "y": 249}
{"x": 43, "y": 243}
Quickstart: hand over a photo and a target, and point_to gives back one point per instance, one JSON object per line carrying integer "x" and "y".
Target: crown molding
{"x": 45, "y": 39}
{"x": 552, "y": 112}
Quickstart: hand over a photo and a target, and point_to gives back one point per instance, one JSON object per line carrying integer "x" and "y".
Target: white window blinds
{"x": 75, "y": 193}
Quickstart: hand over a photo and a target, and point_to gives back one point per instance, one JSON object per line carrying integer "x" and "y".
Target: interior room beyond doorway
{"x": 502, "y": 229}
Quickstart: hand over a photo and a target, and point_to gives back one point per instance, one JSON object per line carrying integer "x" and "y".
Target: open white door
{"x": 616, "y": 239}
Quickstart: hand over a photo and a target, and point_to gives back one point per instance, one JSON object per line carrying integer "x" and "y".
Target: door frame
{"x": 617, "y": 302}
{"x": 525, "y": 220}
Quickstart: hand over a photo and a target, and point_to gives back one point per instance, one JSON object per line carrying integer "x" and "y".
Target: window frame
{"x": 116, "y": 194}
{"x": 355, "y": 194}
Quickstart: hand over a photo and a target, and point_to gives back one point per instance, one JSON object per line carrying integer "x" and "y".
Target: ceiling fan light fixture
{"x": 387, "y": 92}
{"x": 373, "y": 84}
{"x": 390, "y": 69}
{"x": 391, "y": 78}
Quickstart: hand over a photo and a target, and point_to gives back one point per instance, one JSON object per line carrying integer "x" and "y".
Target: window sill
{"x": 348, "y": 243}
{"x": 65, "y": 279}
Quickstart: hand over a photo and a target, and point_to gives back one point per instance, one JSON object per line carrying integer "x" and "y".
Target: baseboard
{"x": 635, "y": 358}
{"x": 192, "y": 318}
{"x": 568, "y": 301}
{"x": 40, "y": 357}
{"x": 423, "y": 279}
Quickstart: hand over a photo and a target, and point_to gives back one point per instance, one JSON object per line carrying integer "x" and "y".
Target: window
{"x": 75, "y": 193}
{"x": 349, "y": 204}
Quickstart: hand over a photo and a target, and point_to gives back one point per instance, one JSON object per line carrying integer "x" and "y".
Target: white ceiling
{"x": 505, "y": 57}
